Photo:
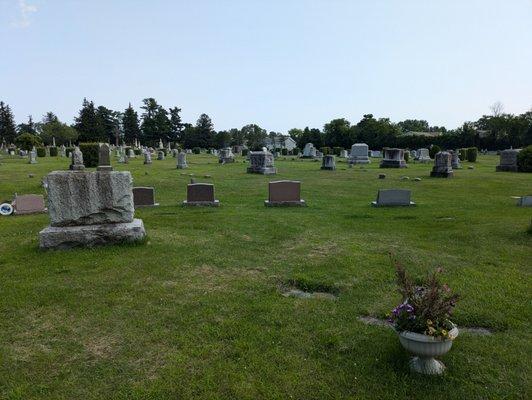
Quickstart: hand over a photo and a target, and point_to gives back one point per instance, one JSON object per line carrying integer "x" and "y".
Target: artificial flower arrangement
{"x": 426, "y": 306}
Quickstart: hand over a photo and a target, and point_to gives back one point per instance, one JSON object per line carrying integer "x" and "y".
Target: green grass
{"x": 196, "y": 311}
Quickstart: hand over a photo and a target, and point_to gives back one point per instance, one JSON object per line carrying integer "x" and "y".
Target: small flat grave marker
{"x": 393, "y": 197}
{"x": 29, "y": 204}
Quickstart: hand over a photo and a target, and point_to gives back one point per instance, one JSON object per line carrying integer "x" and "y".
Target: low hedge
{"x": 524, "y": 159}
{"x": 53, "y": 151}
{"x": 41, "y": 152}
{"x": 472, "y": 153}
{"x": 196, "y": 150}
{"x": 90, "y": 154}
{"x": 434, "y": 149}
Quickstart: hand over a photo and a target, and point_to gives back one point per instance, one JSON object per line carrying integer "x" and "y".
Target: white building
{"x": 281, "y": 142}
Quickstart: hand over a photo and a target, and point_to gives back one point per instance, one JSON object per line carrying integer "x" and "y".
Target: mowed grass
{"x": 196, "y": 311}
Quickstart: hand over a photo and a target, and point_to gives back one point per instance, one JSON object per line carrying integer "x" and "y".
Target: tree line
{"x": 155, "y": 123}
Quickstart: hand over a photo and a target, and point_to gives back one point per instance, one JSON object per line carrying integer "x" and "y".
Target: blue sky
{"x": 280, "y": 64}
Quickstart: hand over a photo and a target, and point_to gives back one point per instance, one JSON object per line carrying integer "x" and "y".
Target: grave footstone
{"x": 524, "y": 201}
{"x": 393, "y": 197}
{"x": 200, "y": 194}
{"x": 284, "y": 193}
{"x": 29, "y": 204}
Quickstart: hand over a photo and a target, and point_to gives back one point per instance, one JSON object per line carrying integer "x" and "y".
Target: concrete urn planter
{"x": 425, "y": 348}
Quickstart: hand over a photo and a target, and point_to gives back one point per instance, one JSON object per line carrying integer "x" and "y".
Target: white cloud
{"x": 24, "y": 18}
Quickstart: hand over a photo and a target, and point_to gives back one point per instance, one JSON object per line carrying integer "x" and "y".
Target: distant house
{"x": 281, "y": 142}
{"x": 425, "y": 134}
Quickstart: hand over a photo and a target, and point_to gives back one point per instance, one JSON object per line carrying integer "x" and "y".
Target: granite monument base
{"x": 300, "y": 203}
{"x": 214, "y": 203}
{"x": 393, "y": 164}
{"x": 68, "y": 237}
{"x": 506, "y": 168}
{"x": 262, "y": 171}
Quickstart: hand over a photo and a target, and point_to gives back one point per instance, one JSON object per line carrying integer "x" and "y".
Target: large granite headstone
{"x": 508, "y": 161}
{"x": 393, "y": 158}
{"x": 261, "y": 162}
{"x": 393, "y": 197}
{"x": 328, "y": 162}
{"x": 90, "y": 208}
{"x": 200, "y": 194}
{"x": 442, "y": 165}
{"x": 359, "y": 154}
{"x": 284, "y": 193}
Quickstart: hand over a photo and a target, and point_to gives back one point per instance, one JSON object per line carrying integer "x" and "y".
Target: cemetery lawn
{"x": 197, "y": 311}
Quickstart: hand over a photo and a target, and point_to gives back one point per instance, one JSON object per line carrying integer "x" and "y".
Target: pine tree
{"x": 204, "y": 132}
{"x": 148, "y": 125}
{"x": 130, "y": 124}
{"x": 155, "y": 123}
{"x": 108, "y": 122}
{"x": 7, "y": 124}
{"x": 28, "y": 127}
{"x": 87, "y": 124}
{"x": 176, "y": 125}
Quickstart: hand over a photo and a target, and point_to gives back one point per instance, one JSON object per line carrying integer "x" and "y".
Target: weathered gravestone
{"x": 393, "y": 197}
{"x": 182, "y": 160}
{"x": 261, "y": 162}
{"x": 328, "y": 162}
{"x": 284, "y": 193}
{"x": 442, "y": 165}
{"x": 455, "y": 160}
{"x": 359, "y": 154}
{"x": 344, "y": 154}
{"x": 309, "y": 151}
{"x": 508, "y": 161}
{"x": 226, "y": 156}
{"x": 423, "y": 156}
{"x": 160, "y": 155}
{"x": 104, "y": 159}
{"x": 200, "y": 194}
{"x": 393, "y": 158}
{"x": 77, "y": 160}
{"x": 147, "y": 157}
{"x": 90, "y": 208}
{"x": 28, "y": 204}
{"x": 32, "y": 156}
{"x": 144, "y": 197}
